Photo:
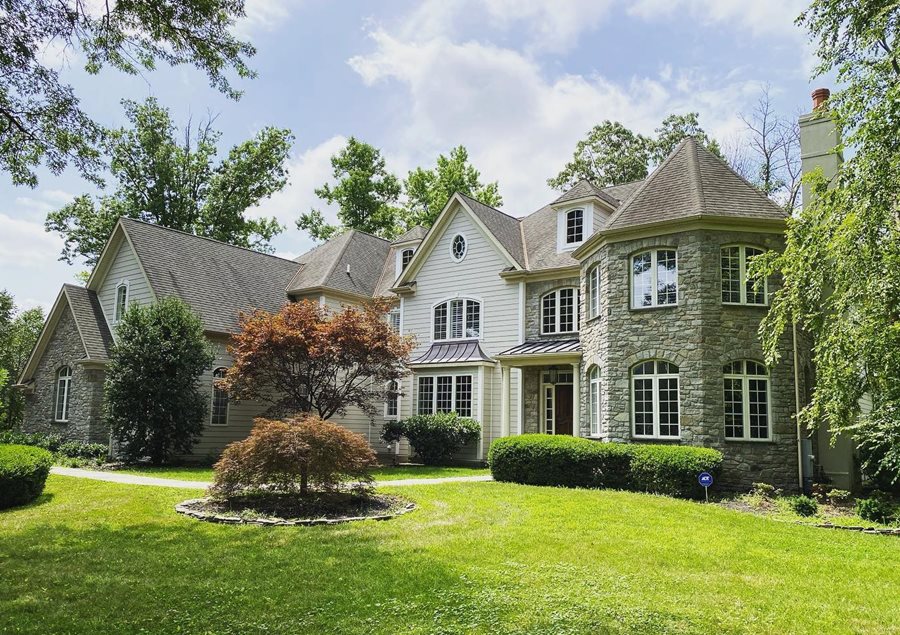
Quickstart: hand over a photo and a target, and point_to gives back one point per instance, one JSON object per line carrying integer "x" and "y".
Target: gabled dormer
{"x": 579, "y": 212}
{"x": 405, "y": 247}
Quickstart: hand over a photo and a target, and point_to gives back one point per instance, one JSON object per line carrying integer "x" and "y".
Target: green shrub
{"x": 50, "y": 442}
{"x": 434, "y": 438}
{"x": 838, "y": 496}
{"x": 79, "y": 450}
{"x": 803, "y": 505}
{"x": 878, "y": 508}
{"x": 54, "y": 443}
{"x": 23, "y": 472}
{"x": 540, "y": 459}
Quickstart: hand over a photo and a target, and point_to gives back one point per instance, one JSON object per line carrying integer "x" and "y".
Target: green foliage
{"x": 539, "y": 459}
{"x": 878, "y": 508}
{"x": 841, "y": 264}
{"x": 41, "y": 120}
{"x": 18, "y": 333}
{"x": 427, "y": 191}
{"x": 54, "y": 443}
{"x": 608, "y": 155}
{"x": 152, "y": 402}
{"x": 366, "y": 195}
{"x": 171, "y": 180}
{"x": 674, "y": 129}
{"x": 23, "y": 472}
{"x": 803, "y": 505}
{"x": 838, "y": 497}
{"x": 435, "y": 438}
{"x": 764, "y": 490}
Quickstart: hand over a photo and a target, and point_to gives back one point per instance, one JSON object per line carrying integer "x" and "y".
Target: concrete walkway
{"x": 134, "y": 479}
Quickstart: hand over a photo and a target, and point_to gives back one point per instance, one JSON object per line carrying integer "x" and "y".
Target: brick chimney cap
{"x": 819, "y": 96}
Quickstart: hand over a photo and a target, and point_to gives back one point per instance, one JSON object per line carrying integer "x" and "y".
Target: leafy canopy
{"x": 427, "y": 191}
{"x": 152, "y": 401}
{"x": 19, "y": 331}
{"x": 841, "y": 265}
{"x": 177, "y": 183}
{"x": 41, "y": 120}
{"x": 306, "y": 358}
{"x": 366, "y": 195}
{"x": 674, "y": 129}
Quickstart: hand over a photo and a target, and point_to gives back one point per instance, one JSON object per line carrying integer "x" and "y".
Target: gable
{"x": 124, "y": 268}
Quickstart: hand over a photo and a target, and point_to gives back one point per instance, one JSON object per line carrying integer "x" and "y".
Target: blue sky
{"x": 516, "y": 81}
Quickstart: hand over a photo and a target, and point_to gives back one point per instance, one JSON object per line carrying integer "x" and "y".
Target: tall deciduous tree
{"x": 306, "y": 358}
{"x": 676, "y": 128}
{"x": 841, "y": 266}
{"x": 366, "y": 195}
{"x": 610, "y": 154}
{"x": 41, "y": 120}
{"x": 177, "y": 183}
{"x": 152, "y": 402}
{"x": 19, "y": 331}
{"x": 427, "y": 191}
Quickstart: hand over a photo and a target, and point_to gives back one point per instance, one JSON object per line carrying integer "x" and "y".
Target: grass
{"x": 381, "y": 474}
{"x": 475, "y": 558}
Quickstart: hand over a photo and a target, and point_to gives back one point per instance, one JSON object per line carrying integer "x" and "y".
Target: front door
{"x": 563, "y": 409}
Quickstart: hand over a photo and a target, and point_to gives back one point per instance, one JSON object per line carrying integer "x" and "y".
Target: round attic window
{"x": 458, "y": 247}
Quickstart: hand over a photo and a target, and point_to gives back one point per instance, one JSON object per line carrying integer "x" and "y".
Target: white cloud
{"x": 24, "y": 243}
{"x": 264, "y": 15}
{"x": 760, "y": 17}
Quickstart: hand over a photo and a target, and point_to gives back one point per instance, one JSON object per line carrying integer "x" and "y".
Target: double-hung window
{"x": 574, "y": 226}
{"x": 594, "y": 400}
{"x": 394, "y": 318}
{"x": 654, "y": 400}
{"x": 737, "y": 286}
{"x": 63, "y": 392}
{"x": 219, "y": 409}
{"x": 445, "y": 393}
{"x": 559, "y": 311}
{"x": 594, "y": 292}
{"x": 457, "y": 319}
{"x": 392, "y": 400}
{"x": 654, "y": 278}
{"x": 746, "y": 401}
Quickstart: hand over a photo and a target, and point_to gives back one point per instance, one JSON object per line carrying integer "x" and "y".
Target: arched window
{"x": 654, "y": 278}
{"x": 559, "y": 311}
{"x": 457, "y": 319}
{"x": 654, "y": 399}
{"x": 405, "y": 256}
{"x": 219, "y": 409}
{"x": 594, "y": 400}
{"x": 593, "y": 289}
{"x": 63, "y": 391}
{"x": 392, "y": 400}
{"x": 121, "y": 301}
{"x": 737, "y": 286}
{"x": 746, "y": 401}
{"x": 574, "y": 226}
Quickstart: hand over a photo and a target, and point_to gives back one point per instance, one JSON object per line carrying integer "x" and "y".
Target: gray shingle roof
{"x": 504, "y": 227}
{"x": 85, "y": 306}
{"x": 623, "y": 190}
{"x": 326, "y": 265}
{"x": 539, "y": 230}
{"x": 693, "y": 182}
{"x": 544, "y": 347}
{"x": 452, "y": 353}
{"x": 216, "y": 279}
{"x": 416, "y": 233}
{"x": 584, "y": 189}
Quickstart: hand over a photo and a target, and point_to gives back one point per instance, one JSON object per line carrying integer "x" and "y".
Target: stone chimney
{"x": 819, "y": 136}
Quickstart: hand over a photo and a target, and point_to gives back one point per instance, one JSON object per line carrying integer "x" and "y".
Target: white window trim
{"x": 398, "y": 261}
{"x": 654, "y": 278}
{"x": 745, "y": 402}
{"x": 447, "y": 301}
{"x": 387, "y": 391}
{"x": 453, "y": 391}
{"x": 583, "y": 223}
{"x": 587, "y": 226}
{"x": 212, "y": 400}
{"x": 654, "y": 388}
{"x": 465, "y": 251}
{"x": 116, "y": 317}
{"x": 65, "y": 397}
{"x": 395, "y": 310}
{"x": 576, "y": 312}
{"x": 742, "y": 263}
{"x": 593, "y": 289}
{"x": 594, "y": 412}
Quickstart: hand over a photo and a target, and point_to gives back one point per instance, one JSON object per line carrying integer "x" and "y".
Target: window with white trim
{"x": 394, "y": 318}
{"x": 219, "y": 410}
{"x": 121, "y": 301}
{"x": 594, "y": 399}
{"x": 405, "y": 257}
{"x": 594, "y": 292}
{"x": 457, "y": 319}
{"x": 574, "y": 226}
{"x": 655, "y": 400}
{"x": 737, "y": 286}
{"x": 445, "y": 393}
{"x": 654, "y": 278}
{"x": 746, "y": 401}
{"x": 63, "y": 391}
{"x": 458, "y": 247}
{"x": 392, "y": 400}
{"x": 559, "y": 311}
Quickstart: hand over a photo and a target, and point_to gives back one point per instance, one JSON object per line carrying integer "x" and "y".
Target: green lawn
{"x": 380, "y": 474}
{"x": 474, "y": 558}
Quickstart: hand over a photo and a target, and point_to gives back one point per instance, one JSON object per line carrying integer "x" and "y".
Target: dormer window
{"x": 405, "y": 256}
{"x": 574, "y": 226}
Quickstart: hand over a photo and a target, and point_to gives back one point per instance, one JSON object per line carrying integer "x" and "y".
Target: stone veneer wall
{"x": 86, "y": 397}
{"x": 533, "y": 293}
{"x": 700, "y": 335}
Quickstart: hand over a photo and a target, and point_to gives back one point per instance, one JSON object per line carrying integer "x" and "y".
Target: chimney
{"x": 819, "y": 136}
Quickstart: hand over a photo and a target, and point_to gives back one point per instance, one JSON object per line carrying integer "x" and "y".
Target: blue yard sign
{"x": 705, "y": 479}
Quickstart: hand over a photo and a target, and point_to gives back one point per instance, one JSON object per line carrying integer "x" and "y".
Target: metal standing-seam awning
{"x": 461, "y": 352}
{"x": 540, "y": 352}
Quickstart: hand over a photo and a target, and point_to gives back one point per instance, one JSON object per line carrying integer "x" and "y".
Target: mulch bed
{"x": 318, "y": 508}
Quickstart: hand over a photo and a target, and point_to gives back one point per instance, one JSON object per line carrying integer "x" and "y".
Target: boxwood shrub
{"x": 23, "y": 472}
{"x": 540, "y": 459}
{"x": 434, "y": 438}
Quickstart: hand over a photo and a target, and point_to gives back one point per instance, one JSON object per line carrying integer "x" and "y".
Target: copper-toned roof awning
{"x": 453, "y": 353}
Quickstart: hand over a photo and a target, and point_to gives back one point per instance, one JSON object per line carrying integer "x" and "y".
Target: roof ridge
{"x": 694, "y": 167}
{"x": 207, "y": 238}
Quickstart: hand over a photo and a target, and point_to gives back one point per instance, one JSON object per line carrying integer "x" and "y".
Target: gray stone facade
{"x": 534, "y": 291}
{"x": 86, "y": 392}
{"x": 700, "y": 334}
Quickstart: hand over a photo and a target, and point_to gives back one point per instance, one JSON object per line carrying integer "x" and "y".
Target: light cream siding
{"x": 125, "y": 267}
{"x": 477, "y": 276}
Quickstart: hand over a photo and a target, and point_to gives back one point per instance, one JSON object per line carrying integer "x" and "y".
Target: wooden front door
{"x": 563, "y": 409}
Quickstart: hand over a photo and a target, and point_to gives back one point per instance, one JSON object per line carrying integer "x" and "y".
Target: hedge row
{"x": 55, "y": 444}
{"x": 23, "y": 472}
{"x": 540, "y": 459}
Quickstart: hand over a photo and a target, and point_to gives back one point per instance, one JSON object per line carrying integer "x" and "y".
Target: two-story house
{"x": 621, "y": 314}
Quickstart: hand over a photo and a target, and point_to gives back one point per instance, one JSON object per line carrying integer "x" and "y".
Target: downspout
{"x": 797, "y": 406}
